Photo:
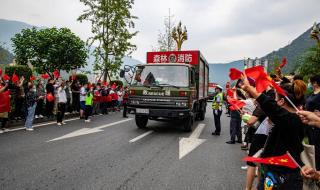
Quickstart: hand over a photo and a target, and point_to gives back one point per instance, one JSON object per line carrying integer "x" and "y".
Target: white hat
{"x": 218, "y": 86}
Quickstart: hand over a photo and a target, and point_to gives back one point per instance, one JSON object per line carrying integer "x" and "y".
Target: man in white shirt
{"x": 62, "y": 100}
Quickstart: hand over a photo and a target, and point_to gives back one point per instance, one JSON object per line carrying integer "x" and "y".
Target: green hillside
{"x": 5, "y": 56}
{"x": 292, "y": 51}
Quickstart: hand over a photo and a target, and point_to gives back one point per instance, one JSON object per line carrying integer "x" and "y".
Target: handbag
{"x": 308, "y": 158}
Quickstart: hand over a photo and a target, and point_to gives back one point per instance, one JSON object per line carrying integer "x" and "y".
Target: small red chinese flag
{"x": 0, "y": 72}
{"x": 230, "y": 93}
{"x": 263, "y": 82}
{"x": 32, "y": 78}
{"x": 235, "y": 104}
{"x": 234, "y": 74}
{"x": 284, "y": 62}
{"x": 254, "y": 72}
{"x": 50, "y": 97}
{"x": 278, "y": 89}
{"x": 5, "y": 77}
{"x": 45, "y": 76}
{"x": 285, "y": 160}
{"x": 14, "y": 78}
{"x": 105, "y": 83}
{"x": 56, "y": 74}
{"x": 114, "y": 86}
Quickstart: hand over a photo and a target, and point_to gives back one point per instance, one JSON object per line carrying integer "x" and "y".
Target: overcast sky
{"x": 224, "y": 30}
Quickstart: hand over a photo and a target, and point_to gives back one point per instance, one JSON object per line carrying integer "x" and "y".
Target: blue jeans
{"x": 29, "y": 120}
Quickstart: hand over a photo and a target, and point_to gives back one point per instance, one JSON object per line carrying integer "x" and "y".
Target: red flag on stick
{"x": 56, "y": 74}
{"x": 254, "y": 72}
{"x": 236, "y": 104}
{"x": 278, "y": 89}
{"x": 105, "y": 83}
{"x": 284, "y": 62}
{"x": 0, "y": 72}
{"x": 45, "y": 76}
{"x": 285, "y": 160}
{"x": 5, "y": 77}
{"x": 234, "y": 74}
{"x": 50, "y": 97}
{"x": 230, "y": 93}
{"x": 14, "y": 78}
{"x": 32, "y": 78}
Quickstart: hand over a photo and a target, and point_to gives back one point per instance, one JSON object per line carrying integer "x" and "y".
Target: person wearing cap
{"x": 217, "y": 103}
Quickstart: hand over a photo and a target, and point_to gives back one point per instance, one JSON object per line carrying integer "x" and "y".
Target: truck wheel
{"x": 188, "y": 123}
{"x": 141, "y": 121}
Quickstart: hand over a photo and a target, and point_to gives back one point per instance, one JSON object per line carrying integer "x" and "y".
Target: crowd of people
{"x": 52, "y": 98}
{"x": 273, "y": 123}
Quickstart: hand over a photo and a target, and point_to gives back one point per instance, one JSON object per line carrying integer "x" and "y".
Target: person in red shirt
{"x": 4, "y": 105}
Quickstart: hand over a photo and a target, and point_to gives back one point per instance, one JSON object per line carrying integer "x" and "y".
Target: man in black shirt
{"x": 313, "y": 104}
{"x": 50, "y": 105}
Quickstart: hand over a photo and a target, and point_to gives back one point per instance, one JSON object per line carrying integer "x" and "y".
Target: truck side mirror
{"x": 122, "y": 72}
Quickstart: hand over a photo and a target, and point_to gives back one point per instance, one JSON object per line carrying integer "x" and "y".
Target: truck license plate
{"x": 145, "y": 111}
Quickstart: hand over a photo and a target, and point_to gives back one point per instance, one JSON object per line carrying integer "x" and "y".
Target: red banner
{"x": 191, "y": 57}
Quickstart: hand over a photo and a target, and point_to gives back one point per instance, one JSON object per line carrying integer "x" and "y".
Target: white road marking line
{"x": 42, "y": 124}
{"x": 186, "y": 145}
{"x": 140, "y": 136}
{"x": 85, "y": 131}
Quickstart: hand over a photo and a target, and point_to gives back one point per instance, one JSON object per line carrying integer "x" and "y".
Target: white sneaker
{"x": 244, "y": 167}
{"x": 36, "y": 117}
{"x": 59, "y": 124}
{"x": 87, "y": 120}
{"x": 5, "y": 130}
{"x": 64, "y": 123}
{"x": 1, "y": 131}
{"x": 29, "y": 129}
{"x": 40, "y": 116}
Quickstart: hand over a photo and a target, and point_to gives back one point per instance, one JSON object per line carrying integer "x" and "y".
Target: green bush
{"x": 82, "y": 78}
{"x": 20, "y": 70}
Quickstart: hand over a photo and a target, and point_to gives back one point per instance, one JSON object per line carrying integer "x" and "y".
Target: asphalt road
{"x": 110, "y": 153}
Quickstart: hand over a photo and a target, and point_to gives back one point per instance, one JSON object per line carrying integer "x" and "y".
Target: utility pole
{"x": 169, "y": 31}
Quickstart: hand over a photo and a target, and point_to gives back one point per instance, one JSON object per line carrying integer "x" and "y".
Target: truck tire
{"x": 141, "y": 121}
{"x": 188, "y": 123}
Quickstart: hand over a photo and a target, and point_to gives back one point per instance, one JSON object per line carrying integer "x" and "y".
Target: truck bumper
{"x": 164, "y": 113}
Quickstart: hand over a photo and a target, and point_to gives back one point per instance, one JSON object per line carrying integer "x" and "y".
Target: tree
{"x": 309, "y": 63}
{"x": 165, "y": 40}
{"x": 111, "y": 25}
{"x": 49, "y": 49}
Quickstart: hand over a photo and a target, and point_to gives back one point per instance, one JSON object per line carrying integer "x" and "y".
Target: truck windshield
{"x": 165, "y": 75}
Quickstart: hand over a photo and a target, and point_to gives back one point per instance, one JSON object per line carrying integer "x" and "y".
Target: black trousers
{"x": 61, "y": 111}
{"x": 39, "y": 108}
{"x": 75, "y": 102}
{"x": 235, "y": 129}
{"x": 3, "y": 122}
{"x": 88, "y": 111}
{"x": 49, "y": 108}
{"x": 124, "y": 114}
{"x": 217, "y": 122}
{"x": 19, "y": 108}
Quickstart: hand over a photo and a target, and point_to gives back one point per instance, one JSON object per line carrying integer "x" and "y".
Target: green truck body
{"x": 171, "y": 86}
